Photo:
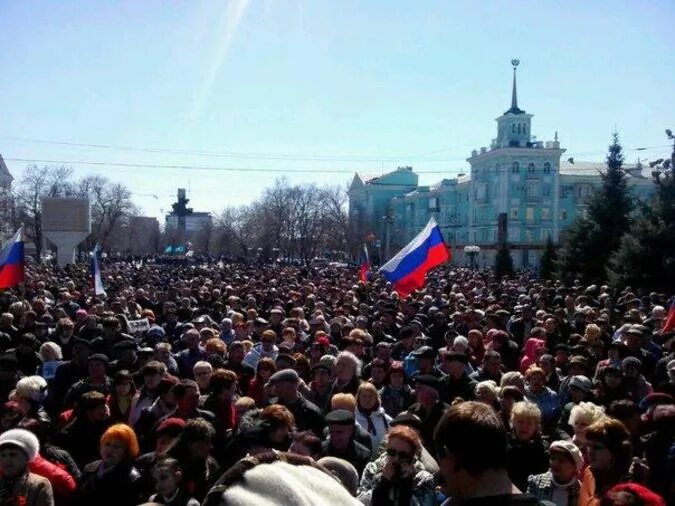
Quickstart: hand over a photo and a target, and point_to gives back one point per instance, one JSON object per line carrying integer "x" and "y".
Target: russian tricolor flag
{"x": 11, "y": 262}
{"x": 364, "y": 271}
{"x": 669, "y": 324}
{"x": 407, "y": 270}
{"x": 96, "y": 271}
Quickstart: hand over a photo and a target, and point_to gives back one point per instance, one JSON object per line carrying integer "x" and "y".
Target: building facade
{"x": 6, "y": 202}
{"x": 517, "y": 192}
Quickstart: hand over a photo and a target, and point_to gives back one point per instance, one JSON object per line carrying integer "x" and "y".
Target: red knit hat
{"x": 645, "y": 496}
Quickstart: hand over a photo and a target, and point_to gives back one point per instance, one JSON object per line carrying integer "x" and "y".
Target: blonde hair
{"x": 343, "y": 401}
{"x": 245, "y": 402}
{"x": 587, "y": 413}
{"x": 370, "y": 387}
{"x": 527, "y": 410}
{"x": 237, "y": 318}
{"x": 33, "y": 388}
{"x": 487, "y": 387}
{"x": 50, "y": 346}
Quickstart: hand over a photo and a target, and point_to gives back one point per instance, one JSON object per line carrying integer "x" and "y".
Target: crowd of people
{"x": 230, "y": 384}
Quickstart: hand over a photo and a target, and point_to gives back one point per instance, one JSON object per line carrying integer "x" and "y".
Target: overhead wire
{"x": 233, "y": 169}
{"x": 278, "y": 156}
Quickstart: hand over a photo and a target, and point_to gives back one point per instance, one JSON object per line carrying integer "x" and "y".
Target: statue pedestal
{"x": 66, "y": 244}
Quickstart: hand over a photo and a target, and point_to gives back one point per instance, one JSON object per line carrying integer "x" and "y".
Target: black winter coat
{"x": 525, "y": 458}
{"x": 116, "y": 487}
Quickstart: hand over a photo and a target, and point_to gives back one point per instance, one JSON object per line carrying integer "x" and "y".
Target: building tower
{"x": 514, "y": 188}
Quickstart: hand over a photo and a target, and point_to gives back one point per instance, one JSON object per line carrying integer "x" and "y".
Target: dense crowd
{"x": 208, "y": 383}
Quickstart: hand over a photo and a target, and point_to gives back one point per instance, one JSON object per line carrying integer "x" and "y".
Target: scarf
{"x": 371, "y": 426}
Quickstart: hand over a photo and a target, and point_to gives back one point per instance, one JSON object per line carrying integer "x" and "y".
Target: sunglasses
{"x": 405, "y": 456}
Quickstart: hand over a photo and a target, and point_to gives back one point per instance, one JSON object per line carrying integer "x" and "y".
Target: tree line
{"x": 111, "y": 203}
{"x": 294, "y": 222}
{"x": 621, "y": 240}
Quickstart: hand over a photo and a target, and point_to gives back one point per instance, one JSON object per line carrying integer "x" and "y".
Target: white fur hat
{"x": 282, "y": 483}
{"x": 23, "y": 439}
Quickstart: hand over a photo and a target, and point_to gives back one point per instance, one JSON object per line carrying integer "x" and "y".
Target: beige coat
{"x": 29, "y": 490}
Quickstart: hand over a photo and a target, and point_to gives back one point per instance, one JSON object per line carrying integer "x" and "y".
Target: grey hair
{"x": 356, "y": 362}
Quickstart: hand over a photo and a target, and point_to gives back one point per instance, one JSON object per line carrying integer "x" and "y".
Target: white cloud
{"x": 226, "y": 31}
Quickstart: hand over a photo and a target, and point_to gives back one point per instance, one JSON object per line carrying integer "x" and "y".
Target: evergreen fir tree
{"x": 548, "y": 260}
{"x": 591, "y": 241}
{"x": 503, "y": 262}
{"x": 646, "y": 255}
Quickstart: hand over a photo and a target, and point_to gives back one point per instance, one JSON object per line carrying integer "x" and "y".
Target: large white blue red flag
{"x": 96, "y": 271}
{"x": 12, "y": 262}
{"x": 407, "y": 270}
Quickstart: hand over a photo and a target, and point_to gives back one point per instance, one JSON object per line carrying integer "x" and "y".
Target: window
{"x": 530, "y": 168}
{"x": 514, "y": 213}
{"x": 515, "y": 167}
{"x": 563, "y": 214}
{"x": 546, "y": 213}
{"x": 529, "y": 214}
{"x": 433, "y": 204}
{"x": 533, "y": 189}
{"x": 547, "y": 168}
{"x": 546, "y": 191}
{"x": 518, "y": 127}
{"x": 481, "y": 191}
{"x": 513, "y": 128}
{"x": 524, "y": 129}
{"x": 529, "y": 235}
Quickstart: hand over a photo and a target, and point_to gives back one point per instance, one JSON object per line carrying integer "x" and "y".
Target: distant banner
{"x": 138, "y": 326}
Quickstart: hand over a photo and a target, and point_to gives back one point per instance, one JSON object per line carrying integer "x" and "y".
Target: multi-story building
{"x": 518, "y": 192}
{"x": 6, "y": 201}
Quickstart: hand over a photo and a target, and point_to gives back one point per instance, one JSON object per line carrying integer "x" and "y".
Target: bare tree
{"x": 37, "y": 183}
{"x": 111, "y": 206}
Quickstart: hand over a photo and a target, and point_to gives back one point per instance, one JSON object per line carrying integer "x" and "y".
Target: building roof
{"x": 4, "y": 171}
{"x": 634, "y": 170}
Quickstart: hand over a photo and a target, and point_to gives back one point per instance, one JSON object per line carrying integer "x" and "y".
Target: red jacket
{"x": 63, "y": 484}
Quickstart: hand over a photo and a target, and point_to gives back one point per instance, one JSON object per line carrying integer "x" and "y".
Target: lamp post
{"x": 388, "y": 220}
{"x": 472, "y": 251}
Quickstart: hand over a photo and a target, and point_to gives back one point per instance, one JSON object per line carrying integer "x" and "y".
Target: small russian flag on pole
{"x": 669, "y": 324}
{"x": 364, "y": 272}
{"x": 96, "y": 271}
{"x": 408, "y": 269}
{"x": 12, "y": 261}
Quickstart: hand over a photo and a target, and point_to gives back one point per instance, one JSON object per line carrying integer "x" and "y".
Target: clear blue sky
{"x": 322, "y": 86}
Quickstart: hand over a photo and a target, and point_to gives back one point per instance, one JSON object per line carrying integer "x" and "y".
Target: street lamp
{"x": 472, "y": 251}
